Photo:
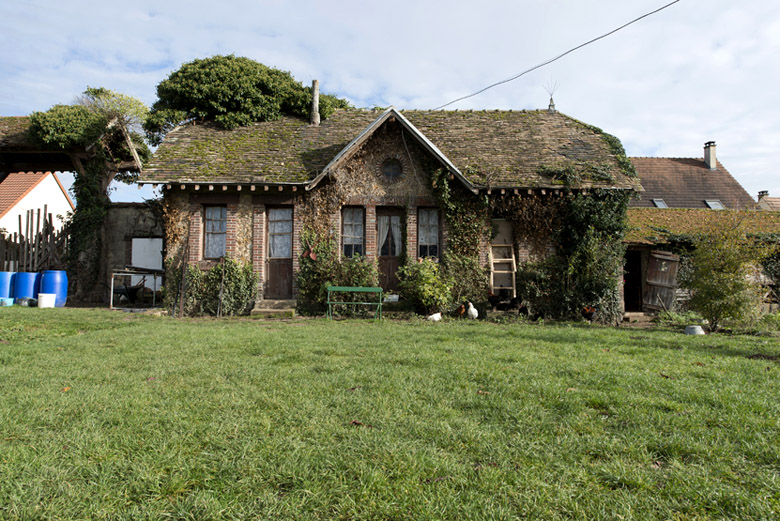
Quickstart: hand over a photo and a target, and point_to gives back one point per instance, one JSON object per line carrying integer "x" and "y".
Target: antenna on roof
{"x": 551, "y": 87}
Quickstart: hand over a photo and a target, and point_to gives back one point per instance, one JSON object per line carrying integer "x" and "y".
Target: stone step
{"x": 273, "y": 312}
{"x": 275, "y": 304}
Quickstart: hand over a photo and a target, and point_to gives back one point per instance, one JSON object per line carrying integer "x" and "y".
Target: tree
{"x": 232, "y": 91}
{"x": 101, "y": 132}
{"x": 723, "y": 274}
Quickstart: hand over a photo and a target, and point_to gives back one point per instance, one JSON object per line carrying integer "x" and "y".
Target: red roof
{"x": 688, "y": 183}
{"x": 18, "y": 184}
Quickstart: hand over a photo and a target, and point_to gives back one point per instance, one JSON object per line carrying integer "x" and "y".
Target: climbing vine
{"x": 95, "y": 131}
{"x": 575, "y": 240}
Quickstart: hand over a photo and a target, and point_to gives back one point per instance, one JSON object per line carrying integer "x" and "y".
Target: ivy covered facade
{"x": 486, "y": 193}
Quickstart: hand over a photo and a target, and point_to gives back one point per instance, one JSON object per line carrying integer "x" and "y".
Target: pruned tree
{"x": 232, "y": 91}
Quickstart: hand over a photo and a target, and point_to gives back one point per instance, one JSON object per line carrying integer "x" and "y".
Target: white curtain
{"x": 383, "y": 226}
{"x": 395, "y": 228}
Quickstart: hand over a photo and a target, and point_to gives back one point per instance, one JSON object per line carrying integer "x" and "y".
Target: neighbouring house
{"x": 28, "y": 177}
{"x": 367, "y": 177}
{"x": 22, "y": 192}
{"x": 768, "y": 203}
{"x": 682, "y": 197}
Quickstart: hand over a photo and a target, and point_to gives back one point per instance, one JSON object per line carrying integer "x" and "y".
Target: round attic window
{"x": 392, "y": 169}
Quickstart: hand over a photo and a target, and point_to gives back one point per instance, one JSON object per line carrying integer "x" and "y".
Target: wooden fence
{"x": 36, "y": 246}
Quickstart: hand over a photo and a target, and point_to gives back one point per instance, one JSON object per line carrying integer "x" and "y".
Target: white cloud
{"x": 694, "y": 72}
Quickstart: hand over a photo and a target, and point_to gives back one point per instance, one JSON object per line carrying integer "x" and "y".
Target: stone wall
{"x": 123, "y": 223}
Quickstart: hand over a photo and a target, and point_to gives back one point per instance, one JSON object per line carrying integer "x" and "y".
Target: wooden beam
{"x": 530, "y": 192}
{"x": 265, "y": 188}
{"x": 211, "y": 187}
{"x": 281, "y": 188}
{"x": 295, "y": 188}
{"x": 167, "y": 187}
{"x": 197, "y": 187}
{"x": 183, "y": 187}
{"x": 238, "y": 188}
{"x": 253, "y": 188}
{"x": 224, "y": 188}
{"x": 544, "y": 192}
{"x": 503, "y": 191}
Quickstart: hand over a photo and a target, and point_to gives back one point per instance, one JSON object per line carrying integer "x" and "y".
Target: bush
{"x": 424, "y": 287}
{"x": 560, "y": 287}
{"x": 320, "y": 268}
{"x": 470, "y": 281}
{"x": 723, "y": 276}
{"x": 228, "y": 288}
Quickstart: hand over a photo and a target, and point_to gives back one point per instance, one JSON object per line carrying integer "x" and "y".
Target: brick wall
{"x": 258, "y": 245}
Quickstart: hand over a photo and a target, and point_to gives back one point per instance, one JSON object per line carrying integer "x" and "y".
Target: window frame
{"x": 660, "y": 203}
{"x": 352, "y": 236}
{"x": 714, "y": 204}
{"x": 270, "y": 234}
{"x": 420, "y": 245}
{"x": 208, "y": 235}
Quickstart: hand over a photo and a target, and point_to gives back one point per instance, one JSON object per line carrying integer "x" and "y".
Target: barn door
{"x": 279, "y": 274}
{"x": 388, "y": 241}
{"x": 661, "y": 280}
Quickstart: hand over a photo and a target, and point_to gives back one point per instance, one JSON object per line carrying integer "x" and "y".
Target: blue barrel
{"x": 6, "y": 284}
{"x": 55, "y": 281}
{"x": 25, "y": 285}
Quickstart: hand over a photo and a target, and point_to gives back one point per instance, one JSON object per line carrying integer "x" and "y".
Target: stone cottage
{"x": 366, "y": 177}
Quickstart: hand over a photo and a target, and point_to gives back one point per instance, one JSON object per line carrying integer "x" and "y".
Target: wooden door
{"x": 389, "y": 243}
{"x": 279, "y": 273}
{"x": 661, "y": 280}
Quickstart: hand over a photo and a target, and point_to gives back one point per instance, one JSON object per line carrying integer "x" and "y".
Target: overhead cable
{"x": 558, "y": 57}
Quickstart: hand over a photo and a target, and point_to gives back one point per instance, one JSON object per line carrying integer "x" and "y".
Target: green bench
{"x": 333, "y": 290}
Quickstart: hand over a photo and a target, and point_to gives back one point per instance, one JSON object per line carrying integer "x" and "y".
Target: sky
{"x": 700, "y": 70}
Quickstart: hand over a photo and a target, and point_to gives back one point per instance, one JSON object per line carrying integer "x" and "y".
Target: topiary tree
{"x": 232, "y": 91}
{"x": 723, "y": 274}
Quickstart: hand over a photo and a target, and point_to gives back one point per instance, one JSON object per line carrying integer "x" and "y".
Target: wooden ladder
{"x": 498, "y": 267}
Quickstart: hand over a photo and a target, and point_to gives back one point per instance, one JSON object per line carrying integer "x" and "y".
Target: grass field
{"x": 116, "y": 416}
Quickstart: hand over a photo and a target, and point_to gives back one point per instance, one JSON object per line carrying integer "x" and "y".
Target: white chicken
{"x": 434, "y": 318}
{"x": 472, "y": 311}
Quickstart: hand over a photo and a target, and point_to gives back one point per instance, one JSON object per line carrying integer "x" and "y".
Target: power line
{"x": 558, "y": 57}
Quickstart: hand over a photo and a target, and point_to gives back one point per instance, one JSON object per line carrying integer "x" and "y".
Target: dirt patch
{"x": 762, "y": 356}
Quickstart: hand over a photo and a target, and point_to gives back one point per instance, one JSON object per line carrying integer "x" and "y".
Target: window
{"x": 280, "y": 230}
{"x": 428, "y": 232}
{"x": 715, "y": 204}
{"x": 215, "y": 232}
{"x": 352, "y": 231}
{"x": 660, "y": 203}
{"x": 392, "y": 169}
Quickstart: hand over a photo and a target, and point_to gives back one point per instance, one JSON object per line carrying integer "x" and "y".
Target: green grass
{"x": 115, "y": 416}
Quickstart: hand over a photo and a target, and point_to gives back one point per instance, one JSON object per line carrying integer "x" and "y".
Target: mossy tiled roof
{"x": 491, "y": 148}
{"x": 13, "y": 132}
{"x": 652, "y": 225}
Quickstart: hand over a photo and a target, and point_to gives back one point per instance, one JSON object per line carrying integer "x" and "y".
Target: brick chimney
{"x": 709, "y": 155}
{"x": 314, "y": 118}
{"x": 762, "y": 194}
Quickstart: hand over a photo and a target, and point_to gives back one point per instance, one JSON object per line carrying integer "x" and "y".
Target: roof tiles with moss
{"x": 491, "y": 148}
{"x": 653, "y": 225}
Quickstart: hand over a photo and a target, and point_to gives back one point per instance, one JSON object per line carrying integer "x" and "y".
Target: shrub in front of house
{"x": 228, "y": 288}
{"x": 424, "y": 287}
{"x": 723, "y": 276}
{"x": 320, "y": 267}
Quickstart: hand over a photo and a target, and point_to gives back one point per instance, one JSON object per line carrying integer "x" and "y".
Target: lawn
{"x": 117, "y": 416}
